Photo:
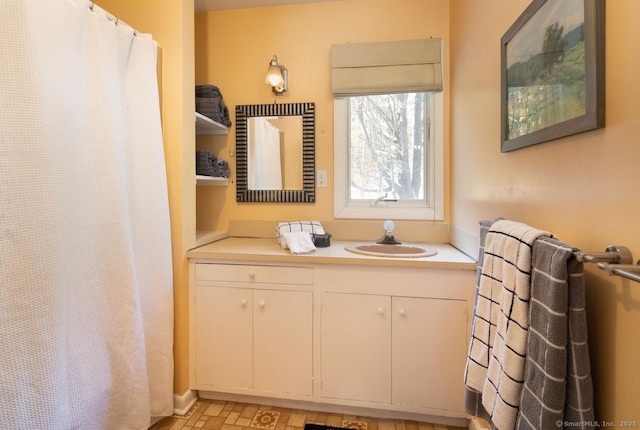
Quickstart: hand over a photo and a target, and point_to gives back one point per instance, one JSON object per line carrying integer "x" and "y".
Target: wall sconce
{"x": 277, "y": 77}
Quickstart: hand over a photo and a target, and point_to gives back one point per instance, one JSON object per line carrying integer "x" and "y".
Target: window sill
{"x": 387, "y": 213}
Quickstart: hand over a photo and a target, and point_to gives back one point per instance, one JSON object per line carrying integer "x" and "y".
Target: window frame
{"x": 345, "y": 209}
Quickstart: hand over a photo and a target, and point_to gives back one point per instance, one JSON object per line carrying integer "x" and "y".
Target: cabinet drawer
{"x": 257, "y": 274}
{"x": 411, "y": 282}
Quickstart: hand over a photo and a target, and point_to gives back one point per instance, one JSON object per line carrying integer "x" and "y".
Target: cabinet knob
{"x": 261, "y": 304}
{"x": 243, "y": 303}
{"x": 381, "y": 311}
{"x": 252, "y": 274}
{"x": 402, "y": 312}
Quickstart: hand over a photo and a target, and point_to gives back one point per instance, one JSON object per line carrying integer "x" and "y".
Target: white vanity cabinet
{"x": 395, "y": 337}
{"x": 252, "y": 329}
{"x": 429, "y": 342}
{"x": 282, "y": 341}
{"x": 223, "y": 337}
{"x": 389, "y": 338}
{"x": 356, "y": 347}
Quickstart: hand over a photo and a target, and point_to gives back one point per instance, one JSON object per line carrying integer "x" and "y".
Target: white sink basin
{"x": 392, "y": 251}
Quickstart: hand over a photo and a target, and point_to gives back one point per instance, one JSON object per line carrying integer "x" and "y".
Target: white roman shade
{"x": 386, "y": 67}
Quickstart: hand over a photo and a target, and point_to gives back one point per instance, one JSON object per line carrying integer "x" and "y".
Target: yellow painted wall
{"x": 582, "y": 188}
{"x": 233, "y": 50}
{"x": 171, "y": 23}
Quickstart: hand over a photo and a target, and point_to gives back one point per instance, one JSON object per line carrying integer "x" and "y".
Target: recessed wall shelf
{"x": 211, "y": 180}
{"x": 205, "y": 125}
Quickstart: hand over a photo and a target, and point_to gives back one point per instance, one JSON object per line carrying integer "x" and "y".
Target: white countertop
{"x": 268, "y": 250}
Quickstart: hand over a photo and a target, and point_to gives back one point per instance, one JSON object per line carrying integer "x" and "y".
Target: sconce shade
{"x": 276, "y": 77}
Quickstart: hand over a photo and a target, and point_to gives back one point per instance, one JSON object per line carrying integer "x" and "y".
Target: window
{"x": 388, "y": 125}
{"x": 388, "y": 156}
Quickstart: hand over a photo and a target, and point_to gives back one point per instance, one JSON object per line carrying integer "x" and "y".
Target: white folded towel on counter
{"x": 297, "y": 242}
{"x": 313, "y": 227}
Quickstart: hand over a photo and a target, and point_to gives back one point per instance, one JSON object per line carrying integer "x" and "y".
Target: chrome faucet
{"x": 388, "y": 238}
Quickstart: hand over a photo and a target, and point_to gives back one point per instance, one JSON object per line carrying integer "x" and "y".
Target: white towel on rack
{"x": 473, "y": 398}
{"x": 495, "y": 366}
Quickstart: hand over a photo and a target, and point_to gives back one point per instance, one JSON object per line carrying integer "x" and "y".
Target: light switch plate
{"x": 321, "y": 179}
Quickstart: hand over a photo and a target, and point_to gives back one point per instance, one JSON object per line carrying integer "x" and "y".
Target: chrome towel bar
{"x": 615, "y": 260}
{"x": 629, "y": 271}
{"x": 613, "y": 254}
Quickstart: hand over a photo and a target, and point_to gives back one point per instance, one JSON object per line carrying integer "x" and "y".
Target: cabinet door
{"x": 356, "y": 347}
{"x": 429, "y": 349}
{"x": 223, "y": 338}
{"x": 283, "y": 341}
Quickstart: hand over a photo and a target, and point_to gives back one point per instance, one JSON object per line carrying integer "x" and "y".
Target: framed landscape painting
{"x": 552, "y": 72}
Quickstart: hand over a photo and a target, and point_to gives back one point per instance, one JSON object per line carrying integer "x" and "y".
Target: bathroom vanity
{"x": 332, "y": 329}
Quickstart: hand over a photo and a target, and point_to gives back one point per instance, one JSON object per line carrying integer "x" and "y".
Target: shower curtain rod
{"x": 615, "y": 260}
{"x": 113, "y": 18}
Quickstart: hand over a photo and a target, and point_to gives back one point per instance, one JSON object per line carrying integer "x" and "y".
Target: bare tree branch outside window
{"x": 388, "y": 144}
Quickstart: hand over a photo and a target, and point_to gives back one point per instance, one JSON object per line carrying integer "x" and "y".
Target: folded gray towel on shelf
{"x": 207, "y": 91}
{"x": 225, "y": 115}
{"x": 214, "y": 116}
{"x": 223, "y": 168}
{"x": 210, "y": 103}
{"x": 206, "y": 164}
{"x": 209, "y": 111}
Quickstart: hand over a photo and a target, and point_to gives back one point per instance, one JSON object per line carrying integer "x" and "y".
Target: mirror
{"x": 275, "y": 153}
{"x": 274, "y": 160}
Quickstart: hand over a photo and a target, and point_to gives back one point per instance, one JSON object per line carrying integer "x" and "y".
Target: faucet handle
{"x": 388, "y": 238}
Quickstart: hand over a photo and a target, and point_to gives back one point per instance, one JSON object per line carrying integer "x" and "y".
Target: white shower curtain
{"x": 265, "y": 167}
{"x": 86, "y": 301}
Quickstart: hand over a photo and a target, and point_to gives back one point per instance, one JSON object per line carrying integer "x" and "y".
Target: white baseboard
{"x": 182, "y": 403}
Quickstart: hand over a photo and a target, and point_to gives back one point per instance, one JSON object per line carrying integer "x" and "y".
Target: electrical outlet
{"x": 321, "y": 179}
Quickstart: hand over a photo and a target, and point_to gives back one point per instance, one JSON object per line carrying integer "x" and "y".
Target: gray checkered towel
{"x": 557, "y": 384}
